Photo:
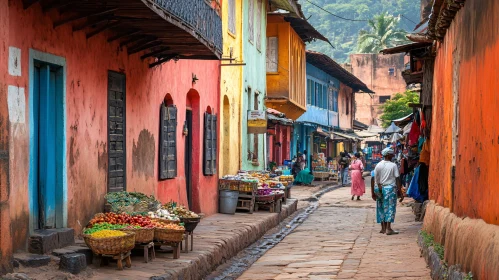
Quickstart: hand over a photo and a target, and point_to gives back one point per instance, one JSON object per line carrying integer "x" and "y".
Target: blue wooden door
{"x": 45, "y": 86}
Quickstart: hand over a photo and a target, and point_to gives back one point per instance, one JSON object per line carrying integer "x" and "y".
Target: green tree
{"x": 342, "y": 33}
{"x": 383, "y": 33}
{"x": 398, "y": 107}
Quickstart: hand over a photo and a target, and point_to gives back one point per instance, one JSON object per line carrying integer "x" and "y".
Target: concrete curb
{"x": 228, "y": 247}
{"x": 439, "y": 269}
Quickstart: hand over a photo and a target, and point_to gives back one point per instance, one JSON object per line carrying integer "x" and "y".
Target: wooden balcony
{"x": 165, "y": 29}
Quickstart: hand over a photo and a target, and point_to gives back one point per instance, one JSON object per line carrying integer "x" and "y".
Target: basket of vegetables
{"x": 265, "y": 195}
{"x": 110, "y": 242}
{"x": 168, "y": 232}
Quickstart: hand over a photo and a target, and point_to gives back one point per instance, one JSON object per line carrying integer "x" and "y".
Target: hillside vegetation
{"x": 344, "y": 34}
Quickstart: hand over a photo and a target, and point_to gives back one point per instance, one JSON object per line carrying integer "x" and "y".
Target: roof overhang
{"x": 283, "y": 104}
{"x": 305, "y": 30}
{"x": 291, "y": 6}
{"x": 405, "y": 48}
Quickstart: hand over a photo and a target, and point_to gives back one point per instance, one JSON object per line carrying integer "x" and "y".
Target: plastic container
{"x": 228, "y": 201}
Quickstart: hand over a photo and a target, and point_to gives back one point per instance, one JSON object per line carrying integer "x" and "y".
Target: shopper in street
{"x": 388, "y": 187}
{"x": 297, "y": 166}
{"x": 358, "y": 186}
{"x": 344, "y": 162}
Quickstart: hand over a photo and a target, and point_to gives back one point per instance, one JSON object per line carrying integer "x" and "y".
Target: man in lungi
{"x": 385, "y": 191}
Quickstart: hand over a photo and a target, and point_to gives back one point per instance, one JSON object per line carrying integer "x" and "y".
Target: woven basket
{"x": 265, "y": 198}
{"x": 168, "y": 235}
{"x": 190, "y": 223}
{"x": 111, "y": 245}
{"x": 165, "y": 221}
{"x": 142, "y": 235}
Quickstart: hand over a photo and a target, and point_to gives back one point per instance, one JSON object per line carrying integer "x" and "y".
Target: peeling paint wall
{"x": 466, "y": 63}
{"x": 88, "y": 62}
{"x": 346, "y": 98}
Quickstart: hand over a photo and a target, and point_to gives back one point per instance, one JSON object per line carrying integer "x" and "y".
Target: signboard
{"x": 323, "y": 146}
{"x": 257, "y": 122}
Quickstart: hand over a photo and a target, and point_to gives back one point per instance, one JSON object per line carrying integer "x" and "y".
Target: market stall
{"x": 134, "y": 220}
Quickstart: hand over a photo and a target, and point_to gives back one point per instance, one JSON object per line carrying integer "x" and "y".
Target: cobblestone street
{"x": 341, "y": 240}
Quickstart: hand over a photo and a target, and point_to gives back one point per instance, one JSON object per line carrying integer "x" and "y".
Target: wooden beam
{"x": 144, "y": 47}
{"x": 139, "y": 38}
{"x": 90, "y": 23}
{"x": 28, "y": 3}
{"x": 122, "y": 35}
{"x": 80, "y": 16}
{"x": 102, "y": 28}
{"x": 56, "y": 5}
{"x": 415, "y": 105}
{"x": 153, "y": 53}
{"x": 162, "y": 60}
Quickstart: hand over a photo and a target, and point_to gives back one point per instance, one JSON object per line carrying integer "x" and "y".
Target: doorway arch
{"x": 192, "y": 149}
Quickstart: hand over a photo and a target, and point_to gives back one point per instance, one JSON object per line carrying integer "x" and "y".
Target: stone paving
{"x": 341, "y": 240}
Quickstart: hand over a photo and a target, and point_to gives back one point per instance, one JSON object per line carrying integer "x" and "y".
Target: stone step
{"x": 31, "y": 260}
{"x": 45, "y": 241}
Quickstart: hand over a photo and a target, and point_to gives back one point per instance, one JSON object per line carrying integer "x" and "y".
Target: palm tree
{"x": 383, "y": 34}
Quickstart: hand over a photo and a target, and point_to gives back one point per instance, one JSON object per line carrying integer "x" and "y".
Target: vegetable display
{"x": 133, "y": 203}
{"x": 158, "y": 224}
{"x": 163, "y": 214}
{"x": 180, "y": 211}
{"x": 106, "y": 226}
{"x": 107, "y": 233}
{"x": 120, "y": 219}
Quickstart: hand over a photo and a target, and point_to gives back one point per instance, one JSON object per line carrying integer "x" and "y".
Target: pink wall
{"x": 87, "y": 65}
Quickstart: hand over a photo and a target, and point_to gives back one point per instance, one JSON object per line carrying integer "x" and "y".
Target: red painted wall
{"x": 467, "y": 63}
{"x": 87, "y": 65}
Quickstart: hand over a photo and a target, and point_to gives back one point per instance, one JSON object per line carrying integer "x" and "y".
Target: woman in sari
{"x": 358, "y": 186}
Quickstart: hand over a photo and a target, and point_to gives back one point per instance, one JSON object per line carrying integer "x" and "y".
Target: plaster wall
{"x": 346, "y": 99}
{"x": 231, "y": 91}
{"x": 254, "y": 73}
{"x": 87, "y": 65}
{"x": 465, "y": 74}
{"x": 373, "y": 70}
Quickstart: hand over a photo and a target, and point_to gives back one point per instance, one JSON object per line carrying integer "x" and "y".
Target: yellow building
{"x": 286, "y": 71}
{"x": 230, "y": 88}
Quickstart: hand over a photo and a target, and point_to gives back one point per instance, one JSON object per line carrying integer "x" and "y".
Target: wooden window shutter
{"x": 210, "y": 145}
{"x": 168, "y": 142}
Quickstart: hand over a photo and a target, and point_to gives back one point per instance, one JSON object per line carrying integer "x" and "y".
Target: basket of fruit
{"x": 110, "y": 242}
{"x": 169, "y": 233}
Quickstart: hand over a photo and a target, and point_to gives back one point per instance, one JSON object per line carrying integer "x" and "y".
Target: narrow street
{"x": 341, "y": 240}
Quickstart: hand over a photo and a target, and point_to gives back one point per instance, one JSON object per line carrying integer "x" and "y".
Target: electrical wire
{"x": 408, "y": 19}
{"x": 340, "y": 17}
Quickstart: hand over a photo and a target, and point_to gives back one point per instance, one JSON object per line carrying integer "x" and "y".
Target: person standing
{"x": 388, "y": 187}
{"x": 358, "y": 187}
{"x": 344, "y": 168}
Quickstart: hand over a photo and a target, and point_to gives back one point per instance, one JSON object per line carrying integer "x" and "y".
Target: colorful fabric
{"x": 387, "y": 151}
{"x": 386, "y": 204}
{"x": 304, "y": 177}
{"x": 358, "y": 186}
{"x": 424, "y": 156}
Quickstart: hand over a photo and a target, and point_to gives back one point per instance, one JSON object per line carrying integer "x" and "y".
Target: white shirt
{"x": 386, "y": 173}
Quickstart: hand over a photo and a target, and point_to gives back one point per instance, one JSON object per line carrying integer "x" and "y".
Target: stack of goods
{"x": 188, "y": 218}
{"x": 275, "y": 184}
{"x": 168, "y": 232}
{"x": 132, "y": 203}
{"x": 286, "y": 179}
{"x": 142, "y": 227}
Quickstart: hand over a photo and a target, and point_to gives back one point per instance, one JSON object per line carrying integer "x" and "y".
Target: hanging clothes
{"x": 414, "y": 134}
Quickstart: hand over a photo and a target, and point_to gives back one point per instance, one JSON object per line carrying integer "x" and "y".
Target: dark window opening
{"x": 383, "y": 99}
{"x": 210, "y": 144}
{"x": 391, "y": 72}
{"x": 168, "y": 142}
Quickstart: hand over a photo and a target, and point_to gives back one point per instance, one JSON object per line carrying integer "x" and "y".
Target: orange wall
{"x": 470, "y": 48}
{"x": 290, "y": 80}
{"x": 345, "y": 120}
{"x": 87, "y": 65}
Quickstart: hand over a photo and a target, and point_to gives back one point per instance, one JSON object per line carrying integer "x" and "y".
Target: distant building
{"x": 382, "y": 74}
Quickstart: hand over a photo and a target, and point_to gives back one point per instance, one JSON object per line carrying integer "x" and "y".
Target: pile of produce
{"x": 260, "y": 176}
{"x": 164, "y": 214}
{"x": 179, "y": 211}
{"x": 286, "y": 178}
{"x": 133, "y": 203}
{"x": 107, "y": 233}
{"x": 106, "y": 226}
{"x": 163, "y": 225}
{"x": 120, "y": 219}
{"x": 264, "y": 191}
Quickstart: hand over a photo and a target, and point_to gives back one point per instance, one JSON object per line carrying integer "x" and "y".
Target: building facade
{"x": 80, "y": 115}
{"x": 254, "y": 86}
{"x": 231, "y": 113}
{"x": 383, "y": 75}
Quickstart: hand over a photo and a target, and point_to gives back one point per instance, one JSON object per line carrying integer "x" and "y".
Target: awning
{"x": 345, "y": 135}
{"x": 359, "y": 126}
{"x": 366, "y": 134}
{"x": 405, "y": 48}
{"x": 392, "y": 129}
{"x": 283, "y": 121}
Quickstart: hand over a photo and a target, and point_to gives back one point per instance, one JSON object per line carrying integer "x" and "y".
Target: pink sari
{"x": 358, "y": 186}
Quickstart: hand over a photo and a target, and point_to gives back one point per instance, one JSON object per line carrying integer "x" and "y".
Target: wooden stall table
{"x": 119, "y": 259}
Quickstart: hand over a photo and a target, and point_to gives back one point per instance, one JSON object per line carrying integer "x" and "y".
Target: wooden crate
{"x": 245, "y": 203}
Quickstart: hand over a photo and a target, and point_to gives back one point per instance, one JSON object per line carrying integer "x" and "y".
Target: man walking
{"x": 387, "y": 188}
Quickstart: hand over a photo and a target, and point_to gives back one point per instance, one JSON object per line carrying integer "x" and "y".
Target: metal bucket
{"x": 228, "y": 201}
